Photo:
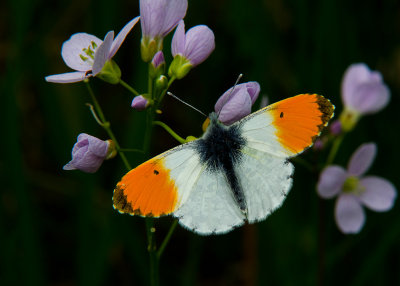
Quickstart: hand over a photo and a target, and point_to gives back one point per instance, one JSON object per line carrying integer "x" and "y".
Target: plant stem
{"x": 128, "y": 87}
{"x": 334, "y": 149}
{"x": 166, "y": 239}
{"x": 107, "y": 126}
{"x": 170, "y": 131}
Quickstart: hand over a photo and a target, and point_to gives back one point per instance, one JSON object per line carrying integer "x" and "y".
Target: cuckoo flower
{"x": 236, "y": 102}
{"x": 90, "y": 56}
{"x": 158, "y": 18}
{"x": 353, "y": 190}
{"x": 89, "y": 153}
{"x": 363, "y": 92}
{"x": 190, "y": 49}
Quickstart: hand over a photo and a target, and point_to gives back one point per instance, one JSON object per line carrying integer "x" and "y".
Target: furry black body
{"x": 220, "y": 150}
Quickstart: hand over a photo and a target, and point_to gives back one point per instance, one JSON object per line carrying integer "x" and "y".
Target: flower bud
{"x": 89, "y": 153}
{"x": 140, "y": 103}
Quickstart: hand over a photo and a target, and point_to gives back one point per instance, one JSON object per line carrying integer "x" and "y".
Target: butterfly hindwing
{"x": 266, "y": 179}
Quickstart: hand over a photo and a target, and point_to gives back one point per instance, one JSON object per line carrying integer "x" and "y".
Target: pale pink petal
{"x": 178, "y": 41}
{"x": 370, "y": 98}
{"x": 253, "y": 88}
{"x": 158, "y": 59}
{"x": 120, "y": 38}
{"x": 159, "y": 17}
{"x": 66, "y": 77}
{"x": 331, "y": 181}
{"x": 237, "y": 107}
{"x": 199, "y": 44}
{"x": 362, "y": 159}
{"x": 363, "y": 90}
{"x": 102, "y": 52}
{"x": 379, "y": 194}
{"x": 174, "y": 12}
{"x": 73, "y": 48}
{"x": 349, "y": 214}
{"x": 355, "y": 75}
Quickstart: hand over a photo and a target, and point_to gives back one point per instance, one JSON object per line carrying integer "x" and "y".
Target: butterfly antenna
{"x": 177, "y": 98}
{"x": 233, "y": 88}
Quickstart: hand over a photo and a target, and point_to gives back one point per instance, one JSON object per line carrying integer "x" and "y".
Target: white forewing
{"x": 185, "y": 168}
{"x": 260, "y": 133}
{"x": 265, "y": 179}
{"x": 210, "y": 207}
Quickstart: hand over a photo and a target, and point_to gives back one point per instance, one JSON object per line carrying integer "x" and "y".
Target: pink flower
{"x": 190, "y": 49}
{"x": 158, "y": 18}
{"x": 89, "y": 153}
{"x": 236, "y": 102}
{"x": 355, "y": 190}
{"x": 87, "y": 54}
{"x": 363, "y": 92}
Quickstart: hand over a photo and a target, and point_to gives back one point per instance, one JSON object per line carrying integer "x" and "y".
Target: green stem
{"x": 334, "y": 149}
{"x": 170, "y": 131}
{"x": 107, "y": 126}
{"x": 128, "y": 87}
{"x": 166, "y": 239}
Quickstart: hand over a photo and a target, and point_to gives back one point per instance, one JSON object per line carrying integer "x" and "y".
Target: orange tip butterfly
{"x": 232, "y": 174}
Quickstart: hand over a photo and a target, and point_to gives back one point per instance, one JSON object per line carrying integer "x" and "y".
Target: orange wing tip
{"x": 146, "y": 191}
{"x": 300, "y": 120}
{"x": 326, "y": 108}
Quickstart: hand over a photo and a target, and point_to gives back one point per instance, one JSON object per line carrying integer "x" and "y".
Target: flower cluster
{"x": 89, "y": 56}
{"x": 363, "y": 93}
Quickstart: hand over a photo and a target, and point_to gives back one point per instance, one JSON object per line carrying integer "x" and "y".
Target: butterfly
{"x": 232, "y": 174}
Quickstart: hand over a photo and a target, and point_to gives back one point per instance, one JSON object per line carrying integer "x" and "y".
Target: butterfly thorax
{"x": 220, "y": 150}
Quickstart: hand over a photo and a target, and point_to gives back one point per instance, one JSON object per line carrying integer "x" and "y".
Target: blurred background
{"x": 59, "y": 228}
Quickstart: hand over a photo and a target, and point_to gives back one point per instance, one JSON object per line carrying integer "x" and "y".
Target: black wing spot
{"x": 156, "y": 172}
{"x": 281, "y": 115}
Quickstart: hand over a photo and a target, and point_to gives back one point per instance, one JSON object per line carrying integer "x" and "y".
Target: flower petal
{"x": 354, "y": 75}
{"x": 102, "y": 52}
{"x": 253, "y": 88}
{"x": 349, "y": 214}
{"x": 237, "y": 107}
{"x": 199, "y": 44}
{"x": 73, "y": 48}
{"x": 363, "y": 90}
{"x": 67, "y": 77}
{"x": 88, "y": 154}
{"x": 120, "y": 38}
{"x": 379, "y": 194}
{"x": 178, "y": 41}
{"x": 331, "y": 181}
{"x": 370, "y": 98}
{"x": 159, "y": 17}
{"x": 362, "y": 159}
{"x": 97, "y": 146}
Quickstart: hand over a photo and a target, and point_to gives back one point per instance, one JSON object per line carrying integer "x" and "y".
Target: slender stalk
{"x": 166, "y": 239}
{"x": 170, "y": 131}
{"x": 128, "y": 87}
{"x": 334, "y": 149}
{"x": 107, "y": 126}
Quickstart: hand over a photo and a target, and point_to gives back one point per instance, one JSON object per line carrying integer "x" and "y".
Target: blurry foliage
{"x": 59, "y": 228}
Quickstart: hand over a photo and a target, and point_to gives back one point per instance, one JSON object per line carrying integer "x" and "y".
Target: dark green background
{"x": 59, "y": 227}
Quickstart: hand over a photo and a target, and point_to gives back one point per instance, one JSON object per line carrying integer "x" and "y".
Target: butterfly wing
{"x": 160, "y": 185}
{"x": 210, "y": 208}
{"x": 288, "y": 127}
{"x": 176, "y": 182}
{"x": 266, "y": 180}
